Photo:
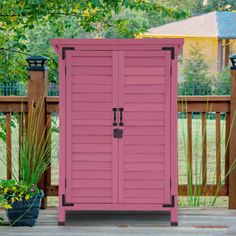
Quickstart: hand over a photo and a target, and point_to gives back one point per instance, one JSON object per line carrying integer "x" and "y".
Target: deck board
{"x": 192, "y": 221}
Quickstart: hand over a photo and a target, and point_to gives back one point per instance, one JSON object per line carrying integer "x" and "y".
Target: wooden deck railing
{"x": 188, "y": 105}
{"x": 205, "y": 105}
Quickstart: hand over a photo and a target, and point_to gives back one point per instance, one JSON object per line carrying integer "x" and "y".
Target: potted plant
{"x": 21, "y": 197}
{"x": 21, "y": 201}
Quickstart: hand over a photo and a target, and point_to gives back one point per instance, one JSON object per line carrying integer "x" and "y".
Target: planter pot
{"x": 25, "y": 212}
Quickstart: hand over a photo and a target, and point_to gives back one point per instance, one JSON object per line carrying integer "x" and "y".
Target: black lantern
{"x": 37, "y": 63}
{"x": 233, "y": 61}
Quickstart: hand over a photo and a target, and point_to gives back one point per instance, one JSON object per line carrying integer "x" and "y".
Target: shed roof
{"x": 217, "y": 24}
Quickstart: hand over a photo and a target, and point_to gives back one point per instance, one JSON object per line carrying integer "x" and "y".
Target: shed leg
{"x": 174, "y": 217}
{"x": 61, "y": 216}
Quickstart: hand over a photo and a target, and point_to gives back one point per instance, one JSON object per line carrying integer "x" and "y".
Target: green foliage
{"x": 26, "y": 27}
{"x": 2, "y": 129}
{"x": 40, "y": 36}
{"x": 187, "y": 6}
{"x": 3, "y": 126}
{"x": 34, "y": 148}
{"x": 12, "y": 191}
{"x": 222, "y": 5}
{"x": 197, "y": 80}
{"x": 223, "y": 82}
{"x": 17, "y": 15}
{"x": 55, "y": 127}
{"x": 131, "y": 23}
{"x": 11, "y": 65}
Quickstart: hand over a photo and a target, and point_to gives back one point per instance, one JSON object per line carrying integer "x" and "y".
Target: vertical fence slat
{"x": 20, "y": 139}
{"x": 218, "y": 149}
{"x": 204, "y": 149}
{"x": 8, "y": 145}
{"x": 227, "y": 131}
{"x": 25, "y": 121}
{"x": 48, "y": 172}
{"x": 189, "y": 150}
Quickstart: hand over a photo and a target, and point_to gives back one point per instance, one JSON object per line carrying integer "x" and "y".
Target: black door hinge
{"x": 172, "y": 202}
{"x": 64, "y": 203}
{"x": 172, "y": 49}
{"x": 64, "y": 51}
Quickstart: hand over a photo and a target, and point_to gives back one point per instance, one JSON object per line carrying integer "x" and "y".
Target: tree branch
{"x": 16, "y": 51}
{"x": 46, "y": 13}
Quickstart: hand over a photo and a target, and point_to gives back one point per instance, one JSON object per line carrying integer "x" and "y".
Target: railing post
{"x": 37, "y": 92}
{"x": 232, "y": 142}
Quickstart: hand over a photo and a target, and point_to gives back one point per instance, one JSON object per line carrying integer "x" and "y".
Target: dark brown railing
{"x": 188, "y": 105}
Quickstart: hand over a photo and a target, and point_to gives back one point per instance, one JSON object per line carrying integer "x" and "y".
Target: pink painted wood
{"x": 144, "y": 132}
{"x": 97, "y": 170}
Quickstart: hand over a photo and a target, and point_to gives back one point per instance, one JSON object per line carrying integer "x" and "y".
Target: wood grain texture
{"x": 48, "y": 157}
{"x": 207, "y": 190}
{"x": 195, "y": 104}
{"x": 227, "y": 142}
{"x": 37, "y": 90}
{"x": 189, "y": 149}
{"x": 90, "y": 146}
{"x": 232, "y": 146}
{"x": 20, "y": 137}
{"x": 204, "y": 150}
{"x": 8, "y": 145}
{"x": 146, "y": 101}
{"x": 192, "y": 221}
{"x": 218, "y": 149}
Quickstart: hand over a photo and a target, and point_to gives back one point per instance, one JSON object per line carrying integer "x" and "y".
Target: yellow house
{"x": 214, "y": 32}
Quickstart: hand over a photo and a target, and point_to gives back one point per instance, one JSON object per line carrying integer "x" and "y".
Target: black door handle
{"x": 121, "y": 116}
{"x": 114, "y": 116}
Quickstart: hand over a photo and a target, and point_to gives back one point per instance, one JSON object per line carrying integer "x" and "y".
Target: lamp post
{"x": 37, "y": 93}
{"x": 232, "y": 137}
{"x": 233, "y": 61}
{"x": 37, "y": 63}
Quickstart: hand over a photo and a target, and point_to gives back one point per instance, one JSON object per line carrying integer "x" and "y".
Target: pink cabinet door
{"x": 144, "y": 150}
{"x": 91, "y": 150}
{"x": 99, "y": 167}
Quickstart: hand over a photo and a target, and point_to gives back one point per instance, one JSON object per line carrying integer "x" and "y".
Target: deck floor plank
{"x": 192, "y": 221}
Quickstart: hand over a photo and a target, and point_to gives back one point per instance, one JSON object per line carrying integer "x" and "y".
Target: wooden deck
{"x": 192, "y": 221}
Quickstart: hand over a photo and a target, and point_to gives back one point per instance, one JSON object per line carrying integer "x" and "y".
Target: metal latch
{"x": 118, "y": 133}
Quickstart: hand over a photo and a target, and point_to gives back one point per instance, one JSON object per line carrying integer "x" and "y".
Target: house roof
{"x": 218, "y": 24}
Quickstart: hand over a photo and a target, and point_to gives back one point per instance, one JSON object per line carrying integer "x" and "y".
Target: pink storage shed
{"x": 118, "y": 125}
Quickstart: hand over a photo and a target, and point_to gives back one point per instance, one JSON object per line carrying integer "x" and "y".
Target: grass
{"x": 197, "y": 159}
{"x": 197, "y": 141}
{"x": 182, "y": 138}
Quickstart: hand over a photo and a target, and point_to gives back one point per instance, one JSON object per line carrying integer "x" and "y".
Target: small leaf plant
{"x": 12, "y": 191}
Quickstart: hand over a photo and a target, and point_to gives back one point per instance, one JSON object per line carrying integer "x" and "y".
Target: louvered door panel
{"x": 91, "y": 93}
{"x": 144, "y": 151}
